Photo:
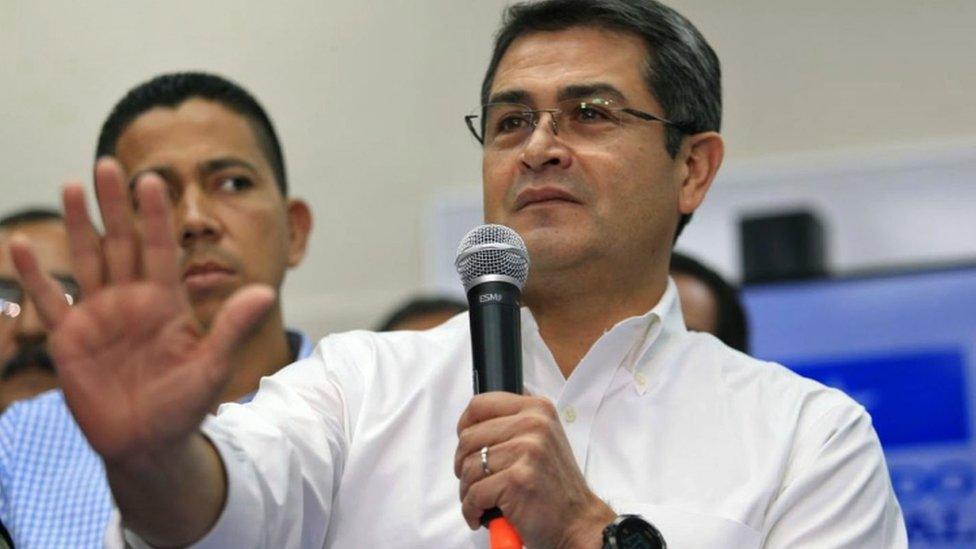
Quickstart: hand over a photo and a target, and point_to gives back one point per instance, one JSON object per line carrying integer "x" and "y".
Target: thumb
{"x": 235, "y": 322}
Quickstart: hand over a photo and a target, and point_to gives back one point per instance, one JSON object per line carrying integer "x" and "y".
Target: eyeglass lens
{"x": 12, "y": 295}
{"x": 509, "y": 124}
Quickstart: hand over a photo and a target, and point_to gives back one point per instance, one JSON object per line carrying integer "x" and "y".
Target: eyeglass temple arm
{"x": 469, "y": 120}
{"x": 650, "y": 117}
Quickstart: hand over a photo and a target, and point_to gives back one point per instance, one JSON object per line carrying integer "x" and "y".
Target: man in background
{"x": 25, "y": 365}
{"x": 422, "y": 313}
{"x": 709, "y": 303}
{"x": 215, "y": 149}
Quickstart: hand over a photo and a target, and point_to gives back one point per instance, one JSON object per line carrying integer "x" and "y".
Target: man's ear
{"x": 703, "y": 153}
{"x": 299, "y": 227}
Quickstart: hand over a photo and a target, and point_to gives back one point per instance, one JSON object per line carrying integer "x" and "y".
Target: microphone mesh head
{"x": 492, "y": 250}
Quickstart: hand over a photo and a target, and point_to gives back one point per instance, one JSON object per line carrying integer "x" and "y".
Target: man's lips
{"x": 543, "y": 195}
{"x": 200, "y": 276}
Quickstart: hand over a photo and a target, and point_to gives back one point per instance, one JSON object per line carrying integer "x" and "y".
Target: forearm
{"x": 172, "y": 499}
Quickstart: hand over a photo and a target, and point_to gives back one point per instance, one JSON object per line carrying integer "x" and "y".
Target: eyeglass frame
{"x": 70, "y": 287}
{"x": 535, "y": 116}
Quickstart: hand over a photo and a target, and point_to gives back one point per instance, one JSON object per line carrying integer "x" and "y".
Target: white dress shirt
{"x": 354, "y": 446}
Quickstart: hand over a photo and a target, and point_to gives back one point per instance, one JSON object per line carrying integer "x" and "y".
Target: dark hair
{"x": 731, "y": 326}
{"x": 29, "y": 215}
{"x": 171, "y": 90}
{"x": 419, "y": 306}
{"x": 681, "y": 70}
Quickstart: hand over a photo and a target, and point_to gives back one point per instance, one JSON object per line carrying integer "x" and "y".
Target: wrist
{"x": 174, "y": 501}
{"x": 158, "y": 463}
{"x": 586, "y": 531}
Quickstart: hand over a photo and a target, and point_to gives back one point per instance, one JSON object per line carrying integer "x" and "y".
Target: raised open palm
{"x": 138, "y": 371}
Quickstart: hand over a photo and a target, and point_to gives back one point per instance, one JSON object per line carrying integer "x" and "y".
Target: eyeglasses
{"x": 596, "y": 120}
{"x": 12, "y": 295}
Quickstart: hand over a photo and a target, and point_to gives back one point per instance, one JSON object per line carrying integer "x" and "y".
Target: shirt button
{"x": 569, "y": 414}
{"x": 640, "y": 380}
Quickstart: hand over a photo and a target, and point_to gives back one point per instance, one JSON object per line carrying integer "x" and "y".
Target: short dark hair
{"x": 171, "y": 90}
{"x": 682, "y": 71}
{"x": 419, "y": 306}
{"x": 732, "y": 326}
{"x": 29, "y": 215}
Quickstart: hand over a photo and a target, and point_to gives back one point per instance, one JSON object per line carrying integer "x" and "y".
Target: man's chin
{"x": 206, "y": 305}
{"x": 556, "y": 250}
{"x": 555, "y": 243}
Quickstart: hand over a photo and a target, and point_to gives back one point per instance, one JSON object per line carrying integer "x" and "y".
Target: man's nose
{"x": 544, "y": 148}
{"x": 196, "y": 219}
{"x": 28, "y": 328}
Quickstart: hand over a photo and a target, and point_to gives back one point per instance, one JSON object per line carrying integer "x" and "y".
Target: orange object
{"x": 503, "y": 535}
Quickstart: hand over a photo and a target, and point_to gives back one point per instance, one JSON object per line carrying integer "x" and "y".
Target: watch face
{"x": 636, "y": 533}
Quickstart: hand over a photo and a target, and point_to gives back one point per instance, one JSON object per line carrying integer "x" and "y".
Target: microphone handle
{"x": 496, "y": 351}
{"x": 496, "y": 337}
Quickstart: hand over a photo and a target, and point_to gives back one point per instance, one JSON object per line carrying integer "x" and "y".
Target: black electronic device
{"x": 632, "y": 532}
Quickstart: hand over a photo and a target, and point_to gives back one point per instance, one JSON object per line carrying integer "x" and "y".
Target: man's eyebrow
{"x": 575, "y": 91}
{"x": 222, "y": 163}
{"x": 580, "y": 91}
{"x": 511, "y": 96}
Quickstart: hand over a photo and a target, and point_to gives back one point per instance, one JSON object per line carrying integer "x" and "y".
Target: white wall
{"x": 892, "y": 207}
{"x": 368, "y": 97}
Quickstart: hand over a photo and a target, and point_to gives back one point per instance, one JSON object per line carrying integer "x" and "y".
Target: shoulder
{"x": 360, "y": 361}
{"x": 48, "y": 408}
{"x": 41, "y": 425}
{"x": 367, "y": 351}
{"x": 375, "y": 373}
{"x": 768, "y": 390}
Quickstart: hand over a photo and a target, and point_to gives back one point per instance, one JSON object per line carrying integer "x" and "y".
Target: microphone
{"x": 494, "y": 263}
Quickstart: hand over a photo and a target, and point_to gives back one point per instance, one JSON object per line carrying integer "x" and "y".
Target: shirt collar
{"x": 665, "y": 324}
{"x": 640, "y": 335}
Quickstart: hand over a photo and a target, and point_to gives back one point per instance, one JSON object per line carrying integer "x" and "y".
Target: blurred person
{"x": 599, "y": 125}
{"x": 25, "y": 365}
{"x": 422, "y": 313}
{"x": 214, "y": 149}
{"x": 5, "y": 541}
{"x": 709, "y": 303}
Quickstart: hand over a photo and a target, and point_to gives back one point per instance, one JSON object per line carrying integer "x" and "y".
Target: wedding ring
{"x": 484, "y": 461}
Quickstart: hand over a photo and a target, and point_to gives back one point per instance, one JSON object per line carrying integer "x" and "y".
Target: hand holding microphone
{"x": 513, "y": 457}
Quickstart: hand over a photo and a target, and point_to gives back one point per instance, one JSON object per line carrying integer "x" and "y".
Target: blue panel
{"x": 914, "y": 398}
{"x": 904, "y": 345}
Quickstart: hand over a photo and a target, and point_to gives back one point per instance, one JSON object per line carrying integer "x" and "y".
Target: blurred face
{"x": 698, "y": 304}
{"x": 23, "y": 339}
{"x": 573, "y": 200}
{"x": 231, "y": 221}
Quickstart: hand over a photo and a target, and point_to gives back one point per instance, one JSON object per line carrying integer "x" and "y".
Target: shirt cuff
{"x": 240, "y": 521}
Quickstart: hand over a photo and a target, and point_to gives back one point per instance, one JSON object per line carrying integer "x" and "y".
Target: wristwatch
{"x": 632, "y": 532}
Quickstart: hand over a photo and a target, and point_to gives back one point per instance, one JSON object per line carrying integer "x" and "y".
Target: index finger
{"x": 491, "y": 405}
{"x": 160, "y": 255}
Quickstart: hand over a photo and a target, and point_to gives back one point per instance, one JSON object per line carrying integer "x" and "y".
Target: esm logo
{"x": 488, "y": 298}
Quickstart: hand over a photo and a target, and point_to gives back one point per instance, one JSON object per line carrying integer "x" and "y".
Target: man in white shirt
{"x": 599, "y": 126}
